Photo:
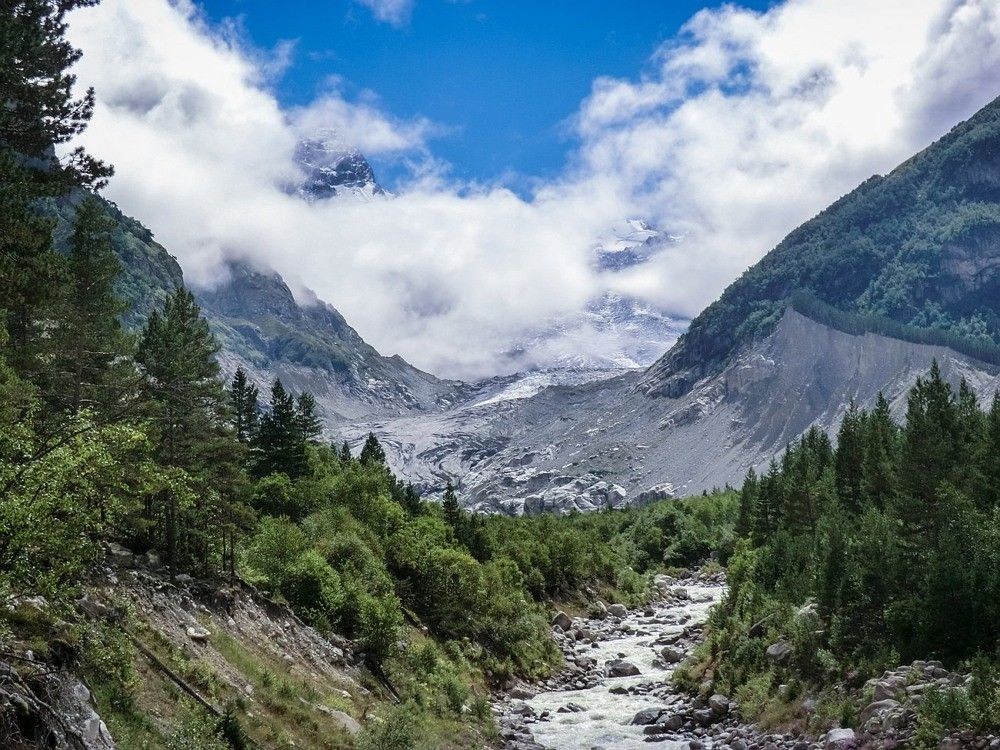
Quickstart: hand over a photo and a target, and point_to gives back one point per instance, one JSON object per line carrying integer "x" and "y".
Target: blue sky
{"x": 499, "y": 76}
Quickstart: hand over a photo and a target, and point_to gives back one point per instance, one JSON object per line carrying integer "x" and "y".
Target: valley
{"x": 230, "y": 522}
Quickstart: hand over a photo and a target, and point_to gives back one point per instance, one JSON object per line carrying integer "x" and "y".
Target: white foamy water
{"x": 604, "y": 722}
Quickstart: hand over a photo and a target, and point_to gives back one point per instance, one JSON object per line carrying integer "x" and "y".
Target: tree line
{"x": 876, "y": 551}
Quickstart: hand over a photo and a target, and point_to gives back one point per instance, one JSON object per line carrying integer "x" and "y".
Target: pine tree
{"x": 411, "y": 500}
{"x": 243, "y": 397}
{"x": 177, "y": 353}
{"x": 345, "y": 454}
{"x": 881, "y": 454}
{"x": 372, "y": 453}
{"x": 849, "y": 459}
{"x": 280, "y": 446}
{"x": 310, "y": 426}
{"x": 748, "y": 503}
{"x": 91, "y": 346}
{"x": 39, "y": 112}
{"x": 186, "y": 400}
{"x": 988, "y": 459}
{"x": 452, "y": 511}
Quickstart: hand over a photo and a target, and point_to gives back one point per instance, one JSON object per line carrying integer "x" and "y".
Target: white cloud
{"x": 748, "y": 124}
{"x": 753, "y": 122}
{"x": 395, "y": 12}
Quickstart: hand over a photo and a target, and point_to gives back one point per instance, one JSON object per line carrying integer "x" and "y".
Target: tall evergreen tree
{"x": 38, "y": 111}
{"x": 243, "y": 397}
{"x": 449, "y": 504}
{"x": 849, "y": 459}
{"x": 177, "y": 354}
{"x": 372, "y": 453}
{"x": 748, "y": 503}
{"x": 345, "y": 453}
{"x": 92, "y": 347}
{"x": 281, "y": 448}
{"x": 310, "y": 426}
{"x": 881, "y": 450}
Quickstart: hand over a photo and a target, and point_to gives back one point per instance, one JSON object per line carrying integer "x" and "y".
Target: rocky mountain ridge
{"x": 606, "y": 443}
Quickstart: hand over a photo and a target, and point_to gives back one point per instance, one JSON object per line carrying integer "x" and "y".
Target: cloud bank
{"x": 743, "y": 126}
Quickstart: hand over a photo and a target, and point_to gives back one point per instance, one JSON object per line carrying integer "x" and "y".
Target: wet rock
{"x": 671, "y": 655}
{"x": 622, "y": 668}
{"x": 647, "y": 716}
{"x": 618, "y": 610}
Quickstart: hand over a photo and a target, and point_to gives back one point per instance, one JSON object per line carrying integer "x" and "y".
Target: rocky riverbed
{"x": 615, "y": 691}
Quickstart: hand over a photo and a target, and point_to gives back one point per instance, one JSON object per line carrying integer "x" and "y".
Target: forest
{"x": 868, "y": 554}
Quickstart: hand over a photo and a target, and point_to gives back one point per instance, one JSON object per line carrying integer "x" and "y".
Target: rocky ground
{"x": 615, "y": 691}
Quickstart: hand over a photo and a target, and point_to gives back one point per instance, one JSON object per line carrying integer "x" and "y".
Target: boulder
{"x": 671, "y": 655}
{"x": 671, "y": 723}
{"x": 562, "y": 620}
{"x": 703, "y": 716}
{"x": 617, "y": 610}
{"x": 719, "y": 704}
{"x": 779, "y": 653}
{"x": 520, "y": 692}
{"x": 119, "y": 555}
{"x": 622, "y": 668}
{"x": 647, "y": 716}
{"x": 198, "y": 634}
{"x": 839, "y": 739}
{"x": 878, "y": 708}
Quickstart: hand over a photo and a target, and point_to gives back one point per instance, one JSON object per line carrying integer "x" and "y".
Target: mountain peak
{"x": 334, "y": 169}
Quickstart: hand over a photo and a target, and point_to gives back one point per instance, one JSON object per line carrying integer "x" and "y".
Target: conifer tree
{"x": 849, "y": 459}
{"x": 449, "y": 504}
{"x": 243, "y": 397}
{"x": 881, "y": 449}
{"x": 372, "y": 453}
{"x": 38, "y": 112}
{"x": 748, "y": 503}
{"x": 345, "y": 453}
{"x": 931, "y": 450}
{"x": 177, "y": 355}
{"x": 411, "y": 500}
{"x": 280, "y": 445}
{"x": 310, "y": 426}
{"x": 91, "y": 346}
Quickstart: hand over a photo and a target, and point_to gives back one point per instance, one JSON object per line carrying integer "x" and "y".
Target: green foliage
{"x": 878, "y": 259}
{"x": 886, "y": 549}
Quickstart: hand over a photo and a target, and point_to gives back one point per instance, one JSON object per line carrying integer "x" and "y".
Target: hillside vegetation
{"x": 919, "y": 246}
{"x": 857, "y": 558}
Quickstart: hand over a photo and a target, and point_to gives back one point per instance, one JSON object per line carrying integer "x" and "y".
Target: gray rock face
{"x": 609, "y": 442}
{"x": 310, "y": 346}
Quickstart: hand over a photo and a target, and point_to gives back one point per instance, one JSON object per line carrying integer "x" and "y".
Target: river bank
{"x": 616, "y": 692}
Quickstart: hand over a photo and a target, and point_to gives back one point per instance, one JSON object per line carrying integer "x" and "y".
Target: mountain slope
{"x": 915, "y": 254}
{"x": 310, "y": 346}
{"x": 607, "y": 443}
{"x": 920, "y": 246}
